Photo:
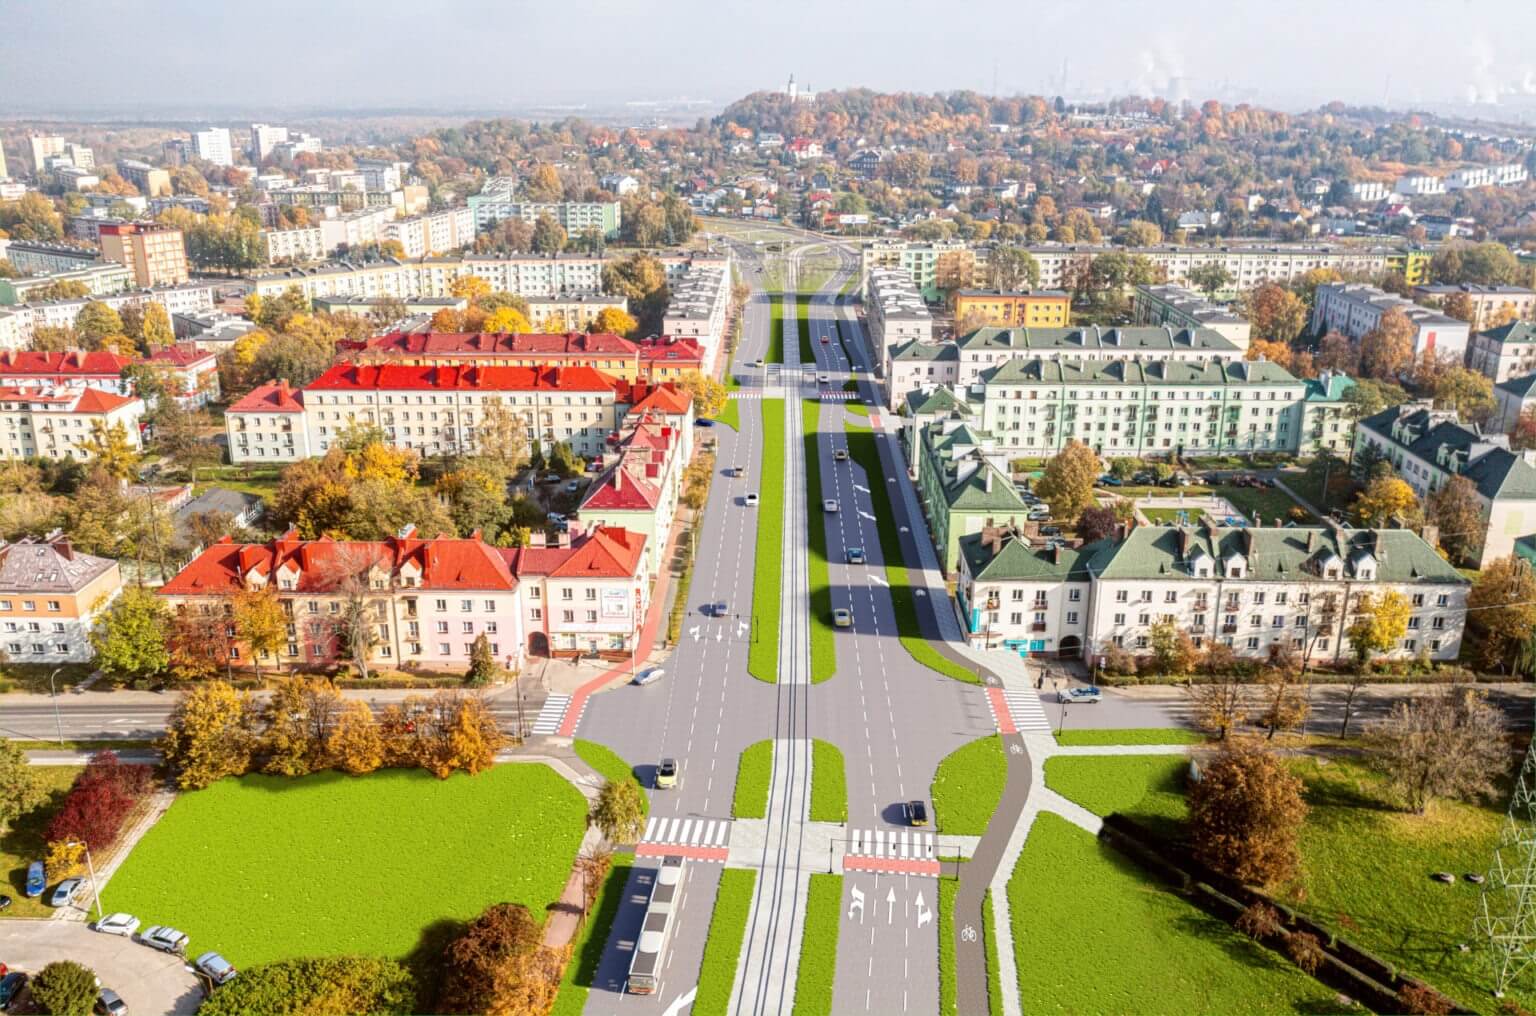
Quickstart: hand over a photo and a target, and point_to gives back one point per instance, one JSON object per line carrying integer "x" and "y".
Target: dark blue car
{"x": 37, "y": 881}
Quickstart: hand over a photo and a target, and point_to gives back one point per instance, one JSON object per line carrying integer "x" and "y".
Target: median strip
{"x": 767, "y": 577}
{"x": 823, "y": 648}
{"x": 817, "y": 970}
{"x": 829, "y": 783}
{"x": 722, "y": 949}
{"x": 753, "y": 775}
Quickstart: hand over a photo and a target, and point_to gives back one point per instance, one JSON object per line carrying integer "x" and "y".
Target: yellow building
{"x": 1047, "y": 308}
{"x": 1412, "y": 264}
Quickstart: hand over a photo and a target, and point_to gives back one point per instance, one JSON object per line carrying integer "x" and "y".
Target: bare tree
{"x": 1450, "y": 743}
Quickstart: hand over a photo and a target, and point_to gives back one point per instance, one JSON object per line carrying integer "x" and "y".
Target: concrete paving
{"x": 149, "y": 981}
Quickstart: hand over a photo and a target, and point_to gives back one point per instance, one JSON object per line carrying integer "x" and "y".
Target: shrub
{"x": 1423, "y": 1000}
{"x": 1245, "y": 813}
{"x": 1260, "y": 920}
{"x": 102, "y": 796}
{"x": 1305, "y": 951}
{"x": 65, "y": 988}
{"x": 498, "y": 965}
{"x": 329, "y": 984}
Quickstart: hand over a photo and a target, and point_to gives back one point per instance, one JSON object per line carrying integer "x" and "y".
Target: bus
{"x": 656, "y": 931}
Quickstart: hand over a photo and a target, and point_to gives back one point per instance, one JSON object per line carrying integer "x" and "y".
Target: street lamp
{"x": 58, "y": 722}
{"x": 91, "y": 869}
{"x": 517, "y": 691}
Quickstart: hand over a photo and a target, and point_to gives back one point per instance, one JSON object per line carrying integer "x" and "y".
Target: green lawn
{"x": 818, "y": 946}
{"x": 829, "y": 783}
{"x": 258, "y": 480}
{"x": 1170, "y": 516}
{"x": 1132, "y": 735}
{"x": 948, "y": 886}
{"x": 609, "y": 765}
{"x": 1147, "y": 788}
{"x": 1262, "y": 505}
{"x": 33, "y": 677}
{"x": 823, "y": 635}
{"x": 267, "y": 868}
{"x": 1152, "y": 952}
{"x": 775, "y": 330}
{"x": 587, "y": 950}
{"x": 803, "y": 317}
{"x": 730, "y": 416}
{"x": 909, "y": 630}
{"x": 857, "y": 409}
{"x": 994, "y": 972}
{"x": 968, "y": 786}
{"x": 767, "y": 579}
{"x": 23, "y": 842}
{"x": 753, "y": 777}
{"x": 727, "y": 928}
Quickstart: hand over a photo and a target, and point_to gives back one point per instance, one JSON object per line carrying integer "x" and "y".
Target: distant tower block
{"x": 791, "y": 89}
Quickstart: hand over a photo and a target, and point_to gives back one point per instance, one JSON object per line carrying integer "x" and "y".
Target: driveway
{"x": 149, "y": 981}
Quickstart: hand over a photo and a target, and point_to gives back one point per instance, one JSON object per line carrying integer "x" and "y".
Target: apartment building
{"x": 1514, "y": 398}
{"x": 293, "y": 245}
{"x": 612, "y": 355}
{"x": 191, "y": 298}
{"x": 1427, "y": 447}
{"x": 432, "y": 233}
{"x": 1182, "y": 308}
{"x": 700, "y": 306}
{"x": 894, "y": 314}
{"x": 100, "y": 279}
{"x": 919, "y": 262}
{"x": 50, "y": 598}
{"x": 54, "y": 422}
{"x": 498, "y": 200}
{"x": 1504, "y": 353}
{"x": 1353, "y": 308}
{"x": 1040, "y": 309}
{"x": 586, "y": 594}
{"x": 988, "y": 347}
{"x": 1253, "y": 589}
{"x": 151, "y": 182}
{"x": 43, "y": 147}
{"x": 962, "y": 483}
{"x": 642, "y": 477}
{"x": 264, "y": 138}
{"x": 668, "y": 358}
{"x": 357, "y": 228}
{"x": 267, "y": 425}
{"x": 1491, "y": 305}
{"x": 157, "y": 254}
{"x": 39, "y": 257}
{"x": 191, "y": 371}
{"x": 213, "y": 145}
{"x": 916, "y": 369}
{"x": 571, "y": 311}
{"x": 1471, "y": 177}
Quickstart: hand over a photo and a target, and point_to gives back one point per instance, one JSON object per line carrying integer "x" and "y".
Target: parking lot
{"x": 148, "y": 981}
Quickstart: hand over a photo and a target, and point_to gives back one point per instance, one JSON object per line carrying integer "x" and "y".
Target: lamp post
{"x": 91, "y": 870}
{"x": 58, "y": 721}
{"x": 517, "y": 691}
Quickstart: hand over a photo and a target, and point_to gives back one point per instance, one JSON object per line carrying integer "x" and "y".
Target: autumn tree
{"x": 1275, "y": 352}
{"x": 96, "y": 321}
{"x": 1386, "y": 501}
{"x": 1068, "y": 480}
{"x": 198, "y": 643}
{"x": 1523, "y": 436}
{"x": 1283, "y": 701}
{"x": 1381, "y": 622}
{"x": 260, "y": 622}
{"x": 709, "y": 396}
{"x": 501, "y": 440}
{"x": 1096, "y": 523}
{"x": 1501, "y": 613}
{"x": 297, "y": 719}
{"x": 497, "y": 965}
{"x": 1245, "y": 814}
{"x": 613, "y": 321}
{"x": 20, "y": 788}
{"x": 1449, "y": 743}
{"x": 1141, "y": 233}
{"x": 209, "y": 735}
{"x": 1458, "y": 514}
{"x": 1173, "y": 650}
{"x": 1276, "y": 313}
{"x": 355, "y": 744}
{"x": 1387, "y": 350}
{"x": 641, "y": 279}
{"x": 156, "y": 329}
{"x": 507, "y": 320}
{"x": 548, "y": 235}
{"x": 1468, "y": 393}
{"x": 1336, "y": 353}
{"x": 619, "y": 811}
{"x": 111, "y": 451}
{"x": 315, "y": 985}
{"x": 1222, "y": 702}
{"x": 1011, "y": 269}
{"x": 1209, "y": 279}
{"x": 130, "y": 637}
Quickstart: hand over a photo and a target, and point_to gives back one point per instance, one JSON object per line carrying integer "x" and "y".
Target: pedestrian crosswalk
{"x": 827, "y": 396}
{"x": 1027, "y": 712}
{"x": 701, "y": 839}
{"x": 892, "y": 851}
{"x": 548, "y": 720}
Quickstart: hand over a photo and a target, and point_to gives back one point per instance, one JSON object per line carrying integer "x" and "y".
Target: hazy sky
{"x": 491, "y": 54}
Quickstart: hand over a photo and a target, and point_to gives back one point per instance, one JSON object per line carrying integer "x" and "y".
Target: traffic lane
{"x": 887, "y": 954}
{"x": 149, "y": 981}
{"x": 685, "y": 949}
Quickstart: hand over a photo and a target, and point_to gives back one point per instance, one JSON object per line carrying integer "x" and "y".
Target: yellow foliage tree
{"x": 356, "y": 745}
{"x": 65, "y": 858}
{"x": 1383, "y": 620}
{"x": 1387, "y": 500}
{"x": 709, "y": 396}
{"x": 506, "y": 319}
{"x": 1067, "y": 484}
{"x": 470, "y": 287}
{"x": 612, "y": 321}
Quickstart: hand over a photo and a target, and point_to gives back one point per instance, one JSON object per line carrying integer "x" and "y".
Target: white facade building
{"x": 432, "y": 233}
{"x": 1354, "y": 308}
{"x": 213, "y": 145}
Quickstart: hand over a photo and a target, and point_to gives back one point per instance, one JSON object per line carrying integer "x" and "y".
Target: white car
{"x": 750, "y": 500}
{"x": 649, "y": 675}
{"x": 825, "y": 379}
{"x": 830, "y": 504}
{"x": 841, "y": 455}
{"x": 215, "y": 967}
{"x": 117, "y": 924}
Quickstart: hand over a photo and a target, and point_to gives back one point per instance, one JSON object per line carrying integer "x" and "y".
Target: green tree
{"x": 548, "y": 235}
{"x": 619, "y": 811}
{"x": 312, "y": 986}
{"x": 1172, "y": 649}
{"x": 96, "y": 321}
{"x": 1012, "y": 268}
{"x": 130, "y": 638}
{"x": 643, "y": 281}
{"x": 482, "y": 664}
{"x": 20, "y": 788}
{"x": 1467, "y": 392}
{"x": 1209, "y": 279}
{"x": 65, "y": 988}
{"x": 209, "y": 735}
{"x": 1067, "y": 483}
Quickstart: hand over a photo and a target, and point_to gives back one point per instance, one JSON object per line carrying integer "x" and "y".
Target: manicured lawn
{"x": 818, "y": 946}
{"x": 609, "y": 765}
{"x": 727, "y": 928}
{"x": 909, "y": 630}
{"x": 730, "y": 416}
{"x": 1170, "y": 516}
{"x": 829, "y": 783}
{"x": 775, "y": 330}
{"x": 1132, "y": 735}
{"x": 1262, "y": 505}
{"x": 1149, "y": 951}
{"x": 587, "y": 950}
{"x": 823, "y": 635}
{"x": 23, "y": 841}
{"x": 767, "y": 578}
{"x": 1147, "y": 788}
{"x": 753, "y": 777}
{"x": 994, "y": 972}
{"x": 968, "y": 786}
{"x": 857, "y": 409}
{"x": 948, "y": 886}
{"x": 803, "y": 318}
{"x": 265, "y": 868}
{"x": 258, "y": 480}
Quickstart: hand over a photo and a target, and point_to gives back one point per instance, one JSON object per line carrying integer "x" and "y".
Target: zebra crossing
{"x": 827, "y": 396}
{"x": 1017, "y": 711}
{"x": 700, "y": 839}
{"x": 894, "y": 851}
{"x": 548, "y": 720}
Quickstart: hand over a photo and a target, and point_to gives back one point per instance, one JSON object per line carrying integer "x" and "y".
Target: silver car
{"x": 215, "y": 967}
{"x": 165, "y": 939}
{"x": 117, "y": 924}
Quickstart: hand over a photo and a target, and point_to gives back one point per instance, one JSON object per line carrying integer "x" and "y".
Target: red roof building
{"x": 669, "y": 357}
{"x": 611, "y": 354}
{"x": 53, "y": 422}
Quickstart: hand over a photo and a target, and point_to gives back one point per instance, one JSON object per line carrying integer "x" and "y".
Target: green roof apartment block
{"x": 963, "y": 485}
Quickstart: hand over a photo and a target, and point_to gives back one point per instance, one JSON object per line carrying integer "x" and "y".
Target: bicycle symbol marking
{"x": 968, "y": 933}
{"x": 1016, "y": 749}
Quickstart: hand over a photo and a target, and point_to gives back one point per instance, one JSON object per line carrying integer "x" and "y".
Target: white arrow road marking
{"x": 866, "y": 515}
{"x": 719, "y": 635}
{"x": 682, "y": 1001}
{"x": 890, "y": 905}
{"x": 856, "y": 903}
{"x": 879, "y": 581}
{"x": 741, "y": 627}
{"x": 864, "y": 490}
{"x": 694, "y": 632}
{"x": 924, "y": 915}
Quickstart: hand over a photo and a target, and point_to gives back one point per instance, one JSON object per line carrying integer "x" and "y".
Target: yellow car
{"x": 842, "y": 618}
{"x": 666, "y": 774}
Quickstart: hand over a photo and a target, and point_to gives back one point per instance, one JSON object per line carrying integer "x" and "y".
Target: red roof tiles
{"x": 272, "y": 397}
{"x": 397, "y": 377}
{"x": 472, "y": 344}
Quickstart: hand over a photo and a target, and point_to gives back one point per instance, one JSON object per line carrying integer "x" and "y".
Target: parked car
{"x": 1144, "y": 477}
{"x": 65, "y": 892}
{"x": 555, "y": 518}
{"x": 703, "y": 421}
{"x": 117, "y": 924}
{"x": 215, "y": 967}
{"x": 1050, "y": 530}
{"x": 10, "y": 987}
{"x": 550, "y": 478}
{"x": 572, "y": 486}
{"x": 109, "y": 1003}
{"x": 666, "y": 774}
{"x": 830, "y": 504}
{"x": 1080, "y": 696}
{"x": 1110, "y": 481}
{"x": 1039, "y": 515}
{"x": 750, "y": 500}
{"x": 1168, "y": 481}
{"x": 165, "y": 939}
{"x": 37, "y": 880}
{"x": 842, "y": 618}
{"x": 649, "y": 675}
{"x": 855, "y": 555}
{"x": 5, "y": 902}
{"x": 841, "y": 455}
{"x": 757, "y": 363}
{"x": 915, "y": 812}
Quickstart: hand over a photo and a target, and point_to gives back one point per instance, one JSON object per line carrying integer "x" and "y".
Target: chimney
{"x": 987, "y": 482}
{"x": 536, "y": 538}
{"x": 1431, "y": 535}
{"x": 66, "y": 550}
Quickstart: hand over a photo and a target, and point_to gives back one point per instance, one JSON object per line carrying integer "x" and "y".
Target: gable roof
{"x": 397, "y": 377}
{"x": 1016, "y": 560}
{"x": 1434, "y": 437}
{"x": 1094, "y": 339}
{"x": 603, "y": 552}
{"x": 1513, "y": 333}
{"x": 272, "y": 397}
{"x": 1135, "y": 372}
{"x": 70, "y": 363}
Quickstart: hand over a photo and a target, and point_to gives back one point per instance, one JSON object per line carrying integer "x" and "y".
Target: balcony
{"x": 1197, "y": 629}
{"x": 1229, "y": 629}
{"x": 1037, "y": 626}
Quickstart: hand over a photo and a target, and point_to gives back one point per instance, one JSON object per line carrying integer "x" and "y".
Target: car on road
{"x": 703, "y": 421}
{"x": 65, "y": 892}
{"x": 37, "y": 880}
{"x": 10, "y": 987}
{"x": 830, "y": 504}
{"x": 117, "y": 924}
{"x": 1110, "y": 481}
{"x": 842, "y": 618}
{"x": 720, "y": 609}
{"x": 825, "y": 339}
{"x": 649, "y": 675}
{"x": 824, "y": 379}
{"x": 666, "y": 774}
{"x": 5, "y": 902}
{"x": 215, "y": 967}
{"x": 550, "y": 478}
{"x": 915, "y": 812}
{"x": 841, "y": 455}
{"x": 167, "y": 940}
{"x": 109, "y": 1003}
{"x": 855, "y": 366}
{"x": 757, "y": 363}
{"x": 1080, "y": 696}
{"x": 855, "y": 555}
{"x": 750, "y": 500}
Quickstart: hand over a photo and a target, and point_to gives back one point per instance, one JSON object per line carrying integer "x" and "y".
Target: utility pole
{"x": 91, "y": 870}
{"x": 1508, "y": 906}
{"x": 53, "y": 693}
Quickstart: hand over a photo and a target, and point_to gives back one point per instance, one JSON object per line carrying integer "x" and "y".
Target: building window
{"x": 1119, "y": 619}
{"x": 1071, "y": 617}
{"x": 1122, "y": 596}
{"x": 442, "y": 649}
{"x": 53, "y": 605}
{"x": 1074, "y": 595}
{"x": 1253, "y": 643}
{"x": 469, "y": 627}
{"x": 568, "y": 616}
{"x": 536, "y": 614}
{"x": 442, "y": 627}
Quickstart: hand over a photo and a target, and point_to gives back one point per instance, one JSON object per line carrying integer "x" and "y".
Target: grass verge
{"x": 1068, "y": 887}
{"x": 727, "y": 928}
{"x": 857, "y": 409}
{"x": 989, "y": 942}
{"x": 1131, "y": 735}
{"x": 909, "y": 630}
{"x": 823, "y": 635}
{"x": 223, "y": 863}
{"x": 23, "y": 841}
{"x": 767, "y": 578}
{"x": 610, "y": 765}
{"x": 33, "y": 677}
{"x": 101, "y": 744}
{"x": 730, "y": 416}
{"x": 775, "y": 331}
{"x": 829, "y": 783}
{"x": 587, "y": 950}
{"x": 818, "y": 945}
{"x": 753, "y": 775}
{"x": 803, "y": 321}
{"x": 948, "y": 886}
{"x": 1147, "y": 788}
{"x": 679, "y": 608}
{"x": 968, "y": 786}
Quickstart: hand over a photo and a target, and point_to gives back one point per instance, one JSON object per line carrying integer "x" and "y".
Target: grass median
{"x": 948, "y": 886}
{"x": 775, "y": 330}
{"x": 994, "y": 972}
{"x": 909, "y": 629}
{"x": 817, "y": 970}
{"x": 1131, "y": 735}
{"x": 829, "y": 783}
{"x": 610, "y": 766}
{"x": 823, "y": 635}
{"x": 753, "y": 775}
{"x": 767, "y": 574}
{"x": 587, "y": 950}
{"x": 968, "y": 786}
{"x": 727, "y": 928}
{"x": 730, "y": 416}
{"x": 803, "y": 319}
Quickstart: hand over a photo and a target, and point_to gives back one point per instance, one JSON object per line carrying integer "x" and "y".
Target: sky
{"x": 156, "y": 55}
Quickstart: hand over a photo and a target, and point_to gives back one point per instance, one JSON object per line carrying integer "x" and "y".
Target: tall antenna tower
{"x": 1508, "y": 918}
